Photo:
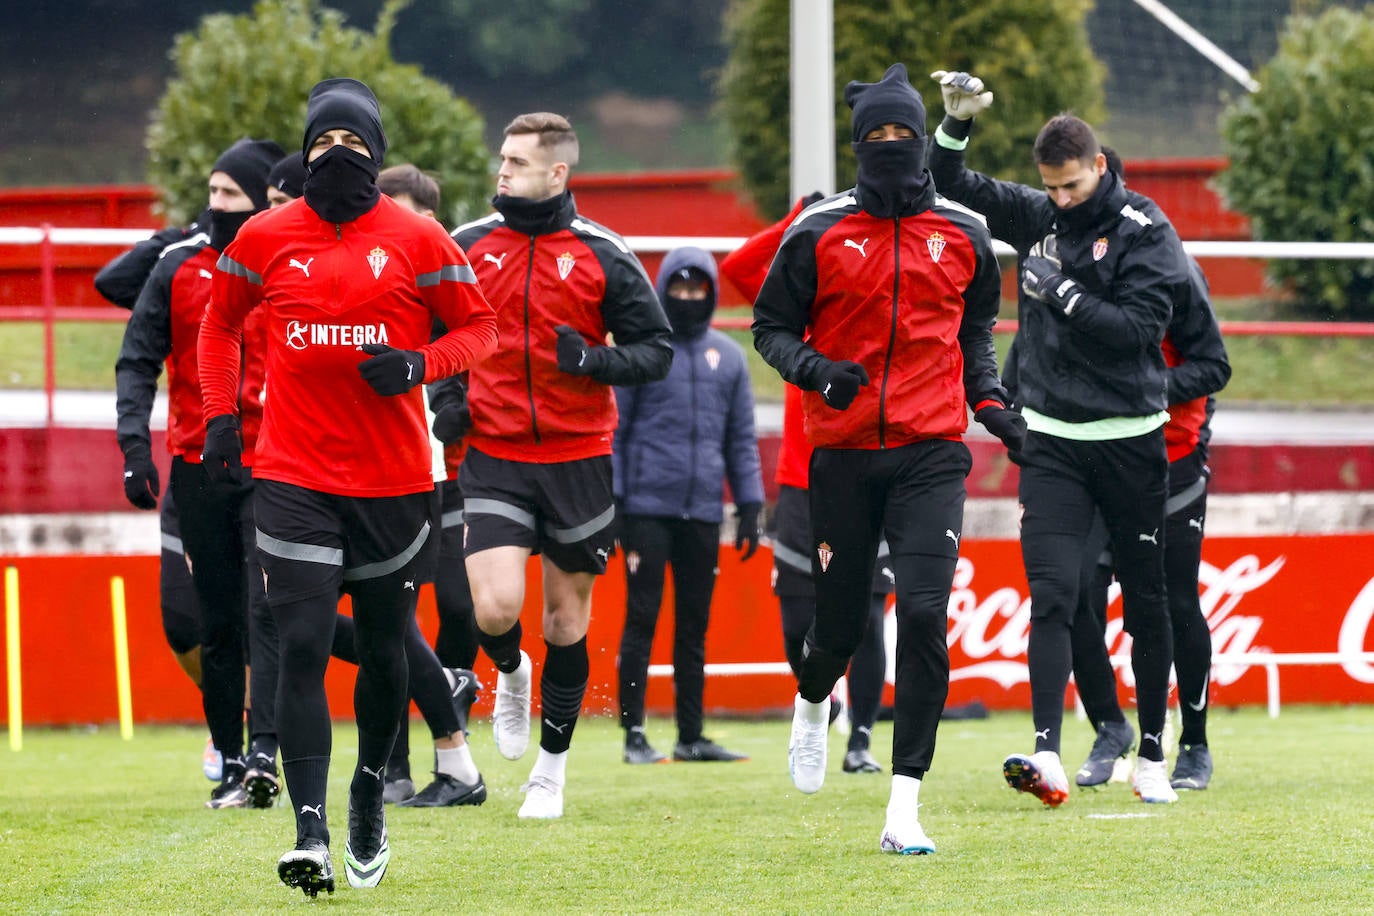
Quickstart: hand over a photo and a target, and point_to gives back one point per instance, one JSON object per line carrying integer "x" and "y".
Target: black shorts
{"x": 562, "y": 510}
{"x": 311, "y": 543}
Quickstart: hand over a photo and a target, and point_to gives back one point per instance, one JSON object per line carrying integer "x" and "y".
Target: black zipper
{"x": 529, "y": 368}
{"x": 892, "y": 331}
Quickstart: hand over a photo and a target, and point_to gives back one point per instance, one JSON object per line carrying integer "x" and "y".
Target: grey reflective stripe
{"x": 496, "y": 507}
{"x": 173, "y": 543}
{"x": 306, "y": 553}
{"x": 884, "y": 551}
{"x": 451, "y": 519}
{"x": 794, "y": 559}
{"x": 234, "y": 268}
{"x": 1186, "y": 497}
{"x": 458, "y": 273}
{"x": 387, "y": 567}
{"x": 582, "y": 531}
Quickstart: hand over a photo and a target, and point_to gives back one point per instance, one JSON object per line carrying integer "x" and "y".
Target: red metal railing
{"x": 48, "y": 312}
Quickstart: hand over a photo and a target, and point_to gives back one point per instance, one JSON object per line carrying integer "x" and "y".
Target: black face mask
{"x": 341, "y": 185}
{"x": 891, "y": 174}
{"x": 689, "y": 317}
{"x": 225, "y": 225}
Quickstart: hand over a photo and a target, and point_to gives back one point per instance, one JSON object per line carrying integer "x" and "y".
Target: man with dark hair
{"x": 349, "y": 284}
{"x": 1100, "y": 269}
{"x": 879, "y": 305}
{"x": 215, "y": 521}
{"x": 411, "y": 187}
{"x": 1197, "y": 368}
{"x": 537, "y": 474}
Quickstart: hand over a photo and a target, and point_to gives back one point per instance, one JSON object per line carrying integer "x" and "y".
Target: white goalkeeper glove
{"x": 963, "y": 93}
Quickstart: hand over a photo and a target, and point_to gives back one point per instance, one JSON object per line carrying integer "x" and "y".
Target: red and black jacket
{"x": 165, "y": 328}
{"x": 912, "y": 299}
{"x": 562, "y": 269}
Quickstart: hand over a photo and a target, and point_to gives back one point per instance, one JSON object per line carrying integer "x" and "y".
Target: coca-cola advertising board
{"x": 1271, "y": 595}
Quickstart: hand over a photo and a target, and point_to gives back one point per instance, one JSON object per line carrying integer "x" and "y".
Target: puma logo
{"x": 304, "y": 268}
{"x": 1042, "y": 734}
{"x": 375, "y": 774}
{"x": 494, "y": 259}
{"x": 1195, "y": 523}
{"x": 1152, "y": 537}
{"x": 857, "y": 246}
{"x": 1156, "y": 738}
{"x": 949, "y": 533}
{"x": 558, "y": 728}
{"x": 410, "y": 584}
{"x": 317, "y": 810}
{"x": 206, "y": 274}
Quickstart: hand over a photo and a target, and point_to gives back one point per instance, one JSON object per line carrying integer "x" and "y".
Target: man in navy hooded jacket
{"x": 678, "y": 440}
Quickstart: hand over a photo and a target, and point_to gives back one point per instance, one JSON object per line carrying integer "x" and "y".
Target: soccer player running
{"x": 215, "y": 519}
{"x": 1100, "y": 268}
{"x": 537, "y": 474}
{"x": 1198, "y": 367}
{"x": 880, "y": 306}
{"x": 349, "y": 283}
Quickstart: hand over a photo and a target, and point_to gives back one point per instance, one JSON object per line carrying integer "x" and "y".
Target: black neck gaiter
{"x": 689, "y": 318}
{"x": 532, "y": 217}
{"x": 892, "y": 175}
{"x": 341, "y": 185}
{"x": 225, "y": 225}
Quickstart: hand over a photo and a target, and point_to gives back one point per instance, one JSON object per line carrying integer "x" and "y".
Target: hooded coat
{"x": 679, "y": 439}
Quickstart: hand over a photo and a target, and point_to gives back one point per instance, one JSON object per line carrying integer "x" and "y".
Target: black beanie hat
{"x": 891, "y": 100}
{"x": 288, "y": 176}
{"x": 249, "y": 162}
{"x": 345, "y": 104}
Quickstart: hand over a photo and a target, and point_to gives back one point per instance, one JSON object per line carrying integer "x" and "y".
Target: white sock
{"x": 550, "y": 766}
{"x": 814, "y": 713}
{"x": 905, "y": 792}
{"x": 457, "y": 762}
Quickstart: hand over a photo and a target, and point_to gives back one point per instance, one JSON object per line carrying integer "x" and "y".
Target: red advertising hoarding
{"x": 1263, "y": 596}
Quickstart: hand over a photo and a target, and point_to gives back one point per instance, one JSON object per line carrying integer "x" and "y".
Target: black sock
{"x": 1151, "y": 660}
{"x": 306, "y": 782}
{"x": 503, "y": 649}
{"x": 562, "y": 686}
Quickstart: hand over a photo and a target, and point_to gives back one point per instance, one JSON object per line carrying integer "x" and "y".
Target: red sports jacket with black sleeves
{"x": 912, "y": 299}
{"x": 164, "y": 328}
{"x": 569, "y": 270}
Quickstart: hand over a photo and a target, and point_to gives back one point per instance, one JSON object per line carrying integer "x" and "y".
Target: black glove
{"x": 840, "y": 383}
{"x": 1042, "y": 280}
{"x": 1004, "y": 423}
{"x": 391, "y": 371}
{"x": 575, "y": 356}
{"x": 747, "y": 528}
{"x": 141, "y": 482}
{"x": 222, "y": 456}
{"x": 452, "y": 423}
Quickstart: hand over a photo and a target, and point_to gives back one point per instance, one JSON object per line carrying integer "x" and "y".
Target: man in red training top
{"x": 350, "y": 283}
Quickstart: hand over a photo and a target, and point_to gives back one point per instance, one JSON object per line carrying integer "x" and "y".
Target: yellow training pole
{"x": 16, "y": 681}
{"x": 121, "y": 635}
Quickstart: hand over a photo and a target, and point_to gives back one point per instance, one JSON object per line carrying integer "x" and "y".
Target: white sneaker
{"x": 905, "y": 837}
{"x": 806, "y": 751}
{"x": 212, "y": 762}
{"x": 510, "y": 716}
{"x": 1152, "y": 782}
{"x": 543, "y": 798}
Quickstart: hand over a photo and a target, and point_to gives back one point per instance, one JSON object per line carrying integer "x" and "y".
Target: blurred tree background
{"x": 79, "y": 79}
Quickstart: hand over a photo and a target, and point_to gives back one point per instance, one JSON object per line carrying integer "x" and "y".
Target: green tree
{"x": 1299, "y": 150}
{"x": 1033, "y": 55}
{"x": 250, "y": 75}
